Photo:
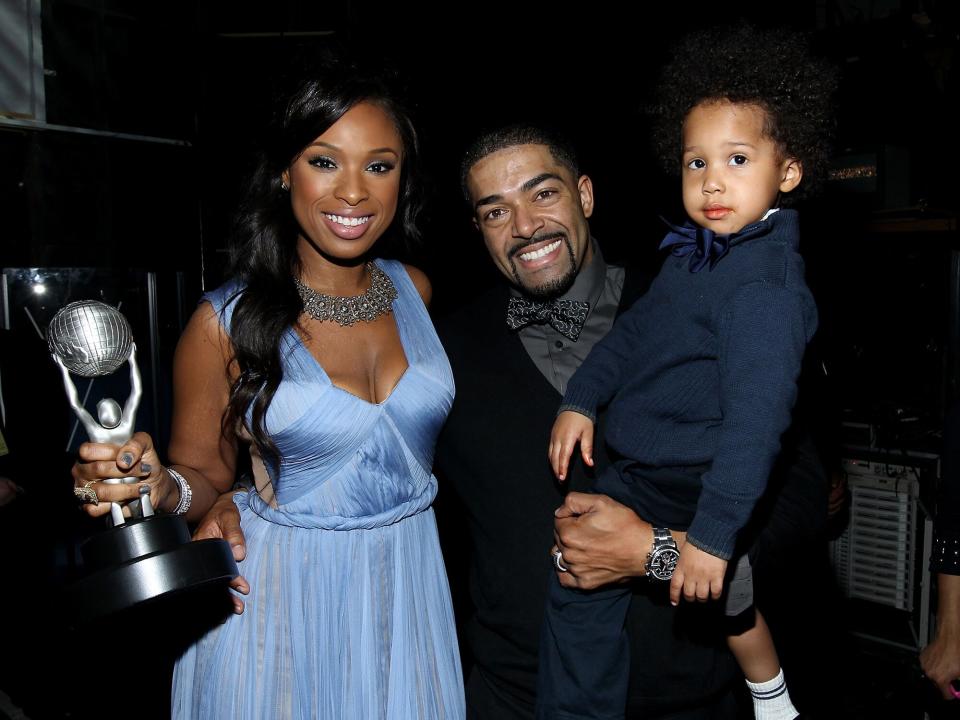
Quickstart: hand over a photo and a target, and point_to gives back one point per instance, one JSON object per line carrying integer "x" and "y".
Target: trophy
{"x": 144, "y": 554}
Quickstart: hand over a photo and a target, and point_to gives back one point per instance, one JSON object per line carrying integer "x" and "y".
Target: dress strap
{"x": 224, "y": 300}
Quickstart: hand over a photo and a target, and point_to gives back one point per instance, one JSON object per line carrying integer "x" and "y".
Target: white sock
{"x": 771, "y": 701}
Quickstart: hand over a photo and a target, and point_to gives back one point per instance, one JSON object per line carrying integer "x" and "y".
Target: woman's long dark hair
{"x": 263, "y": 254}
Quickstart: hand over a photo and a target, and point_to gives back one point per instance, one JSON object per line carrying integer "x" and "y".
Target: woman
{"x": 328, "y": 362}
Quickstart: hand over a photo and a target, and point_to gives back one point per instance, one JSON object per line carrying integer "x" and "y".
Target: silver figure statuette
{"x": 93, "y": 339}
{"x": 145, "y": 555}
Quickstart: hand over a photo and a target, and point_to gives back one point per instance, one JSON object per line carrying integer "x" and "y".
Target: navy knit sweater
{"x": 703, "y": 369}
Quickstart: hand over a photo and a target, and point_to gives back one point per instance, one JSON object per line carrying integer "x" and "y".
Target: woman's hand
{"x": 9, "y": 491}
{"x": 940, "y": 659}
{"x": 223, "y": 521}
{"x": 135, "y": 458}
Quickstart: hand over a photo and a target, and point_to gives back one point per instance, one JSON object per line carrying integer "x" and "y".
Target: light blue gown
{"x": 349, "y": 613}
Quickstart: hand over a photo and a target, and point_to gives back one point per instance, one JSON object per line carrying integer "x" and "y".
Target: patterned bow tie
{"x": 565, "y": 316}
{"x": 703, "y": 245}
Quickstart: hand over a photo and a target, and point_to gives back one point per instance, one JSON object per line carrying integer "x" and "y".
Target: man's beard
{"x": 556, "y": 287}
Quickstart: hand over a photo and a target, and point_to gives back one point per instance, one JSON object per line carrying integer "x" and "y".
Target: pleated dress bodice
{"x": 349, "y": 614}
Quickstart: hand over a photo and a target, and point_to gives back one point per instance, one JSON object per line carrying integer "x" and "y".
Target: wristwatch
{"x": 663, "y": 555}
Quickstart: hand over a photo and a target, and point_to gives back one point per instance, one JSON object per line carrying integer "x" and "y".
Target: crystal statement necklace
{"x": 374, "y": 302}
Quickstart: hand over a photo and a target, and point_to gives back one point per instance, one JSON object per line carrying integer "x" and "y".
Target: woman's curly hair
{"x": 773, "y": 69}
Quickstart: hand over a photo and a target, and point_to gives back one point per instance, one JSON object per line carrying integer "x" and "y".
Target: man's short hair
{"x": 495, "y": 140}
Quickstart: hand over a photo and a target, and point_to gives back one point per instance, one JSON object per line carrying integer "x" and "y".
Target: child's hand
{"x": 569, "y": 429}
{"x": 698, "y": 574}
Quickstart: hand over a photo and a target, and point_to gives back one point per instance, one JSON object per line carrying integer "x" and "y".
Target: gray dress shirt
{"x": 555, "y": 355}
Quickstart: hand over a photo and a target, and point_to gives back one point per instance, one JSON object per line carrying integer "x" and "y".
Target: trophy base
{"x": 146, "y": 559}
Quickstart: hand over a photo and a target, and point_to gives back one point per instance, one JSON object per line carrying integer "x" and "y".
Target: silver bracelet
{"x": 186, "y": 494}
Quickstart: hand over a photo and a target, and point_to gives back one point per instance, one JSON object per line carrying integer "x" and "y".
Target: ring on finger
{"x": 558, "y": 561}
{"x": 87, "y": 495}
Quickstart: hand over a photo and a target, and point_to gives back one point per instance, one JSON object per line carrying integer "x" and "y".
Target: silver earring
{"x": 284, "y": 186}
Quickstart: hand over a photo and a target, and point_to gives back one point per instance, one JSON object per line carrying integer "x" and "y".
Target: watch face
{"x": 663, "y": 563}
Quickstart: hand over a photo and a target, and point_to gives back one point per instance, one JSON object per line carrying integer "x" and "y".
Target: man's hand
{"x": 223, "y": 521}
{"x": 699, "y": 575}
{"x": 601, "y": 540}
{"x": 569, "y": 429}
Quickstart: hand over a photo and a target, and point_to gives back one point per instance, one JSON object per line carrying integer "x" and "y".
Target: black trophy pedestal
{"x": 146, "y": 559}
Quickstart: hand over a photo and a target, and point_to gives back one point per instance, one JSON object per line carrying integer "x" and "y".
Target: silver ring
{"x": 558, "y": 561}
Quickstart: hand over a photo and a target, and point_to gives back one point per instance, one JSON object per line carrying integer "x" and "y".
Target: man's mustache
{"x": 535, "y": 240}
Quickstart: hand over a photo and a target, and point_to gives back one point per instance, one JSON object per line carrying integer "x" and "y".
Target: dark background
{"x": 204, "y": 74}
{"x": 881, "y": 253}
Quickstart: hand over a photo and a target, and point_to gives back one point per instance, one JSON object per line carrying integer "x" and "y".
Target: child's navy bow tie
{"x": 703, "y": 245}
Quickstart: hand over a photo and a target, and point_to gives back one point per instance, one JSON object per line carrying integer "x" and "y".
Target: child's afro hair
{"x": 773, "y": 69}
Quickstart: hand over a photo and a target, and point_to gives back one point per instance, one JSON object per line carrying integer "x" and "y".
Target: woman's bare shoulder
{"x": 421, "y": 282}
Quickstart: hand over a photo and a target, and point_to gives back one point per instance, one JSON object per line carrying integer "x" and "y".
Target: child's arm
{"x": 762, "y": 337}
{"x": 606, "y": 368}
{"x": 698, "y": 575}
{"x": 569, "y": 429}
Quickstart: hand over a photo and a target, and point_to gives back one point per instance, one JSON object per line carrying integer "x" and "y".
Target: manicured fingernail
{"x": 146, "y": 467}
{"x": 126, "y": 459}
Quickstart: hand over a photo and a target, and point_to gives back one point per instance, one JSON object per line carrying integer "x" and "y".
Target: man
{"x": 511, "y": 360}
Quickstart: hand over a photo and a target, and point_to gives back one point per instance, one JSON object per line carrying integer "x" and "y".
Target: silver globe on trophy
{"x": 145, "y": 555}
